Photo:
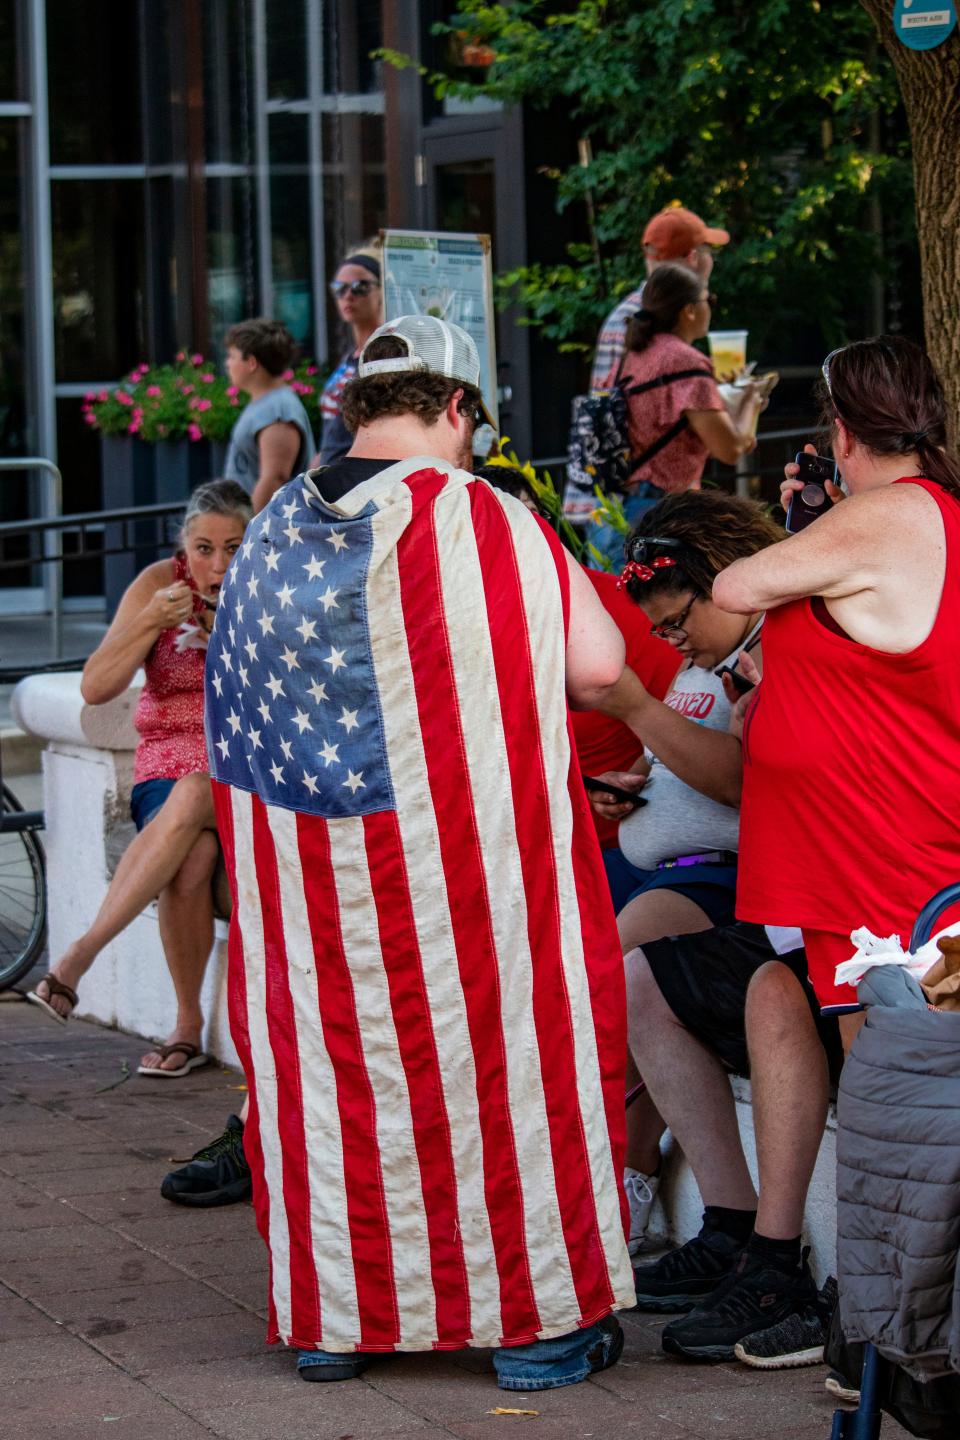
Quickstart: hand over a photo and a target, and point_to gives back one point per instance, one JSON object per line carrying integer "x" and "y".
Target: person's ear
{"x": 454, "y": 417}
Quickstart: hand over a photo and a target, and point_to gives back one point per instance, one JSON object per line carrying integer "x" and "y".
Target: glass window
{"x": 465, "y": 197}
{"x": 79, "y": 449}
{"x": 354, "y": 191}
{"x": 228, "y": 91}
{"x": 231, "y": 254}
{"x": 12, "y": 338}
{"x": 93, "y": 73}
{"x": 10, "y": 52}
{"x": 290, "y": 225}
{"x": 351, "y": 30}
{"x": 98, "y": 277}
{"x": 286, "y": 50}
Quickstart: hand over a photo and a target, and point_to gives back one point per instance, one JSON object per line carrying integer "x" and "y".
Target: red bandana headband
{"x": 633, "y": 571}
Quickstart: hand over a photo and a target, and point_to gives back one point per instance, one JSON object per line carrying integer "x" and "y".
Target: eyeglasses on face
{"x": 710, "y": 298}
{"x": 674, "y": 629}
{"x": 339, "y": 288}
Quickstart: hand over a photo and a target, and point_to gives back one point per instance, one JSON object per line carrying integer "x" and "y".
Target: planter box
{"x": 136, "y": 473}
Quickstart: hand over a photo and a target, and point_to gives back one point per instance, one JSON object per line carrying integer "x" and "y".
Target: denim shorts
{"x": 712, "y": 887}
{"x": 147, "y": 798}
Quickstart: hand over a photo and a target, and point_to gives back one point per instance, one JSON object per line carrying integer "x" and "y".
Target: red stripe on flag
{"x": 305, "y": 1313}
{"x": 463, "y": 876}
{"x": 516, "y": 681}
{"x": 363, "y": 1177}
{"x": 239, "y": 1029}
{"x": 418, "y": 1052}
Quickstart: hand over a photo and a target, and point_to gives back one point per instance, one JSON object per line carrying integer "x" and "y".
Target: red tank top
{"x": 851, "y": 792}
{"x": 169, "y": 714}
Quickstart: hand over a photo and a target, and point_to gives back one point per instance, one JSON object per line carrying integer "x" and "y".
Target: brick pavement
{"x": 127, "y": 1318}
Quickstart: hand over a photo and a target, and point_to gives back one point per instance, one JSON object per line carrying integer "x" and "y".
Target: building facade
{"x": 168, "y": 167}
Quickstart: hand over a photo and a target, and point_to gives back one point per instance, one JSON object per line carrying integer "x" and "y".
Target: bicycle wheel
{"x": 23, "y": 898}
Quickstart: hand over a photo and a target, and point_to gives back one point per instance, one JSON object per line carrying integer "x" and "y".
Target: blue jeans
{"x": 610, "y": 541}
{"x": 548, "y": 1364}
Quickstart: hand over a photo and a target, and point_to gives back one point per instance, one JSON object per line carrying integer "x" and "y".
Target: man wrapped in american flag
{"x": 426, "y": 988}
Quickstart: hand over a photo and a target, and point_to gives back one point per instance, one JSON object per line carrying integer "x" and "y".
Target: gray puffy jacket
{"x": 898, "y": 1189}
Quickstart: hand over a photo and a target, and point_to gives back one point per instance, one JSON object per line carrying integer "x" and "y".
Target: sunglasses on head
{"x": 825, "y": 367}
{"x": 339, "y": 288}
{"x": 642, "y": 549}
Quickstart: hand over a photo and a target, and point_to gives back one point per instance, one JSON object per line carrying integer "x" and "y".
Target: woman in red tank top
{"x": 851, "y": 747}
{"x": 162, "y": 624}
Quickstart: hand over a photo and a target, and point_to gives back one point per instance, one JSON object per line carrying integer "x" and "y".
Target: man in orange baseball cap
{"x": 674, "y": 234}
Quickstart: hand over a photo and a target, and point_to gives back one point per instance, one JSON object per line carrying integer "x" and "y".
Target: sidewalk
{"x": 124, "y": 1317}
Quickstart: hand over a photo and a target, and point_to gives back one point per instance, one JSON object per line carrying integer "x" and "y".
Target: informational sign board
{"x": 924, "y": 24}
{"x": 427, "y": 272}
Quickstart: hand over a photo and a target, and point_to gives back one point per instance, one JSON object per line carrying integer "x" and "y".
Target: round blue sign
{"x": 924, "y": 24}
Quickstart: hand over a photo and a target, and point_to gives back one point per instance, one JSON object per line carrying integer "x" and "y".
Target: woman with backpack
{"x": 676, "y": 417}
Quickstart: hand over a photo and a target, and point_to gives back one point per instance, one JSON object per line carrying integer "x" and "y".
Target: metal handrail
{"x": 55, "y": 591}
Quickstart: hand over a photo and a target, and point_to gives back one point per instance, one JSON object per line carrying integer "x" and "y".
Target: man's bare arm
{"x": 279, "y": 446}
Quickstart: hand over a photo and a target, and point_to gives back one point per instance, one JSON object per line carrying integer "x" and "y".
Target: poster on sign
{"x": 435, "y": 272}
{"x": 924, "y": 24}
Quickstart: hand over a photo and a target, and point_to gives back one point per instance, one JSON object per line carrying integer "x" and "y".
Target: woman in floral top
{"x": 162, "y": 625}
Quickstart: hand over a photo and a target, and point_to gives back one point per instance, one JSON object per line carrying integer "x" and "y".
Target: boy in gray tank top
{"x": 272, "y": 440}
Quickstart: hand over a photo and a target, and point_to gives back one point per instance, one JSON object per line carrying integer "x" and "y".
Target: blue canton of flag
{"x": 292, "y": 709}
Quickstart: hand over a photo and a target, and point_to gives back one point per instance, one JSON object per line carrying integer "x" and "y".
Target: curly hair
{"x": 403, "y": 392}
{"x": 714, "y": 530}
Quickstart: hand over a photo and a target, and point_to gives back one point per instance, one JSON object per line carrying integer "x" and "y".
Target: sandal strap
{"x": 177, "y": 1047}
{"x": 57, "y": 987}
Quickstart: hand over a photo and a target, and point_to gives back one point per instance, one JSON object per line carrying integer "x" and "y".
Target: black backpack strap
{"x": 667, "y": 379}
{"x": 676, "y": 429}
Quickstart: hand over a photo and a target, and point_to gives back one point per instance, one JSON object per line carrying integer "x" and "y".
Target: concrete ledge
{"x": 21, "y": 752}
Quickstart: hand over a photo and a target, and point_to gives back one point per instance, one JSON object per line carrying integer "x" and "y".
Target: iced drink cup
{"x": 728, "y": 351}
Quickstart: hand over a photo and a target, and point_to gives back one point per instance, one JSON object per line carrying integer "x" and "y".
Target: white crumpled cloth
{"x": 871, "y": 951}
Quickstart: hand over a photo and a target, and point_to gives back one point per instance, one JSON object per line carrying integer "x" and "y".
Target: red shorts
{"x": 825, "y": 951}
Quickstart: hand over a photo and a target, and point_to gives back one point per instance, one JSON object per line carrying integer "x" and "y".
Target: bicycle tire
{"x": 23, "y": 898}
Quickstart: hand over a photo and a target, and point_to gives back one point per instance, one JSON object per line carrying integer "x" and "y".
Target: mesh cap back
{"x": 433, "y": 345}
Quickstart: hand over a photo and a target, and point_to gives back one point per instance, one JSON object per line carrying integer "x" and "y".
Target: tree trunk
{"x": 930, "y": 86}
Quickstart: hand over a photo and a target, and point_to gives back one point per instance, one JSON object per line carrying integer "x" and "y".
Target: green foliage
{"x": 187, "y": 400}
{"x": 755, "y": 113}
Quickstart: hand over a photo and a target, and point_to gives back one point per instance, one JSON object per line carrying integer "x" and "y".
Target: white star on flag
{"x": 217, "y": 683}
{"x": 310, "y": 781}
{"x": 274, "y": 685}
{"x": 251, "y": 649}
{"x": 290, "y": 510}
{"x": 335, "y": 659}
{"x": 293, "y": 535}
{"x": 224, "y": 747}
{"x": 272, "y": 559}
{"x": 329, "y": 753}
{"x": 314, "y": 568}
{"x": 233, "y": 720}
{"x": 328, "y": 599}
{"x": 317, "y": 691}
{"x": 277, "y": 774}
{"x": 239, "y": 611}
{"x": 266, "y": 623}
{"x": 338, "y": 540}
{"x": 247, "y": 548}
{"x": 287, "y": 747}
{"x": 252, "y": 584}
{"x": 264, "y": 710}
{"x": 348, "y": 719}
{"x": 353, "y": 782}
{"x": 302, "y": 721}
{"x": 254, "y": 737}
{"x": 285, "y": 596}
{"x": 289, "y": 658}
{"x": 308, "y": 629}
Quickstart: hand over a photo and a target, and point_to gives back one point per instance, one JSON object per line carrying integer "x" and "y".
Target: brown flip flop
{"x": 56, "y": 987}
{"x": 194, "y": 1059}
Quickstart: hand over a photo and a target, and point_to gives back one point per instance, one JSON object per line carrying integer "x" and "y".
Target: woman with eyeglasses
{"x": 676, "y": 417}
{"x": 674, "y": 869}
{"x": 356, "y": 288}
{"x": 852, "y": 744}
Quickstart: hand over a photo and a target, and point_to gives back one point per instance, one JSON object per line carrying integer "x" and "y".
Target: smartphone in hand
{"x": 742, "y": 685}
{"x": 627, "y": 797}
{"x": 812, "y": 501}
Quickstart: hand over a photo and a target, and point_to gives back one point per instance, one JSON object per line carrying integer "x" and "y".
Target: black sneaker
{"x": 797, "y": 1340}
{"x": 754, "y": 1297}
{"x": 841, "y": 1388}
{"x": 217, "y": 1175}
{"x": 684, "y": 1277}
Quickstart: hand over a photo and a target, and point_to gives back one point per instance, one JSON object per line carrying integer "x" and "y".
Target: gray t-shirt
{"x": 243, "y": 454}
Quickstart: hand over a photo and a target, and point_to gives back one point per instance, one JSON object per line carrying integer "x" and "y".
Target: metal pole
{"x": 318, "y": 271}
{"x": 261, "y": 168}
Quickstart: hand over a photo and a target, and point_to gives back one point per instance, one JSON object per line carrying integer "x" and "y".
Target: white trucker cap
{"x": 433, "y": 346}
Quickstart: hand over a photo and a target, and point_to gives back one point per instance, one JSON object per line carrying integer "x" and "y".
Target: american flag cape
{"x": 426, "y": 988}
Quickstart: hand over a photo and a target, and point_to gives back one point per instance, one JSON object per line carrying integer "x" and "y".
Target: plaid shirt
{"x": 611, "y": 341}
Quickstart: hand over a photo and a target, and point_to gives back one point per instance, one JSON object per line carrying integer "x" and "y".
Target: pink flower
{"x": 187, "y": 389}
{"x": 154, "y": 390}
{"x": 204, "y": 404}
{"x": 194, "y": 432}
{"x": 196, "y": 359}
{"x": 232, "y": 390}
{"x": 313, "y": 369}
{"x": 181, "y": 356}
{"x": 234, "y": 401}
{"x": 90, "y": 418}
{"x": 124, "y": 398}
{"x": 89, "y": 398}
{"x": 207, "y": 378}
{"x": 288, "y": 375}
{"x": 134, "y": 427}
{"x": 101, "y": 397}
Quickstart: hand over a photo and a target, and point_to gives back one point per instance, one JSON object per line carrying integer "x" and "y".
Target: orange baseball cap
{"x": 676, "y": 231}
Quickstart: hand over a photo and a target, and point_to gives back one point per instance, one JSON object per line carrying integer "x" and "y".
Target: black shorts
{"x": 704, "y": 979}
